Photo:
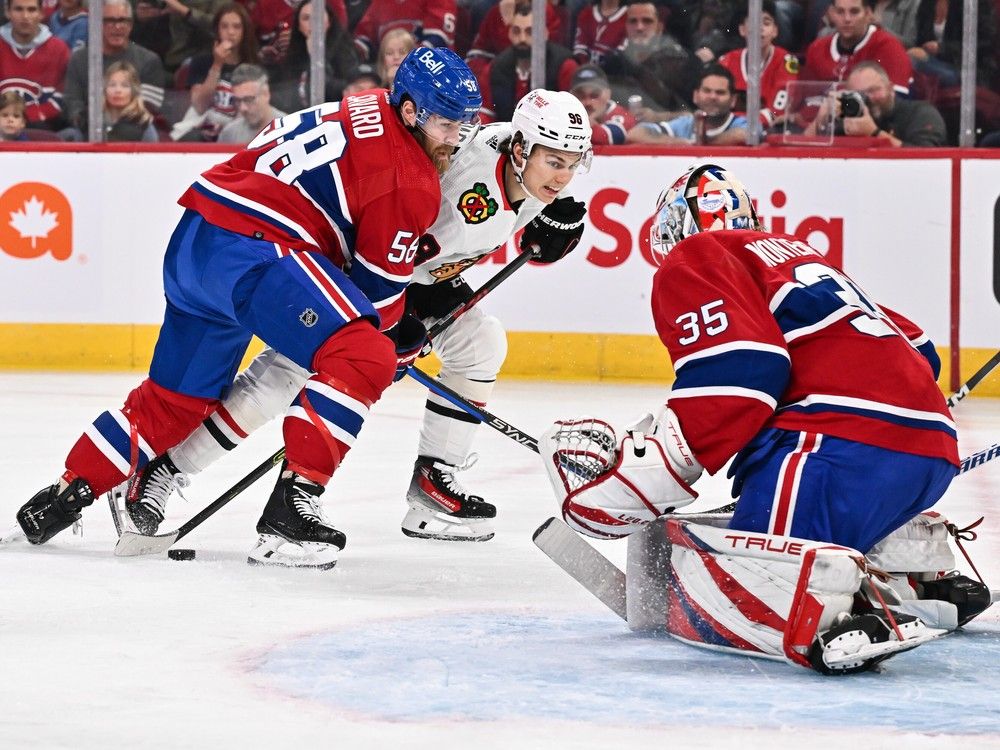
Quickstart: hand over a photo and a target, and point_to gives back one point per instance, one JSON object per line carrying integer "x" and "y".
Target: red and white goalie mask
{"x": 706, "y": 198}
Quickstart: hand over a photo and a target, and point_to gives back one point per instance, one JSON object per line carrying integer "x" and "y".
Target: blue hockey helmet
{"x": 439, "y": 83}
{"x": 706, "y": 198}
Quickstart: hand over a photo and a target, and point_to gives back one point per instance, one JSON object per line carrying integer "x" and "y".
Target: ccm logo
{"x": 765, "y": 544}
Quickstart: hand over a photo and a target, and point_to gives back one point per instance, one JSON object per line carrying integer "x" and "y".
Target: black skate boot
{"x": 50, "y": 511}
{"x": 857, "y": 643}
{"x": 148, "y": 491}
{"x": 971, "y": 598}
{"x": 441, "y": 508}
{"x": 293, "y": 531}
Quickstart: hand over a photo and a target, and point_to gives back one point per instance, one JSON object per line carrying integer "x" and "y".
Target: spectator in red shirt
{"x": 609, "y": 120}
{"x": 432, "y": 23}
{"x": 857, "y": 39}
{"x": 508, "y": 78}
{"x": 778, "y": 67}
{"x": 600, "y": 29}
{"x": 33, "y": 64}
{"x": 493, "y": 36}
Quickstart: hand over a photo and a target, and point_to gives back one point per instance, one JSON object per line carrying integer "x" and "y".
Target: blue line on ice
{"x": 506, "y": 665}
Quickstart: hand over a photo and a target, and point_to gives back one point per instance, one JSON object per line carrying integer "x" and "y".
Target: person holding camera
{"x": 869, "y": 107}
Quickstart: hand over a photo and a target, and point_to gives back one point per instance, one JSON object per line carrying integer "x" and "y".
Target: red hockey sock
{"x": 121, "y": 441}
{"x": 353, "y": 368}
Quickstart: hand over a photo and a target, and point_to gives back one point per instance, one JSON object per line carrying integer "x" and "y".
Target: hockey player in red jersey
{"x": 506, "y": 178}
{"x": 305, "y": 239}
{"x": 828, "y": 405}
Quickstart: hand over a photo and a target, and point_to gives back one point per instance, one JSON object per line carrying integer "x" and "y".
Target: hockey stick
{"x": 975, "y": 380}
{"x": 140, "y": 544}
{"x": 505, "y": 428}
{"x": 979, "y": 458}
{"x": 583, "y": 563}
{"x": 132, "y": 543}
{"x": 496, "y": 280}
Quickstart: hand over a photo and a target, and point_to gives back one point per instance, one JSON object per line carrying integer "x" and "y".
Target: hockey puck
{"x": 180, "y": 554}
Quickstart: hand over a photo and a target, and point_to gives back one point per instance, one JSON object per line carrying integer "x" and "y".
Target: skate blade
{"x": 13, "y": 534}
{"x": 274, "y": 551}
{"x": 447, "y": 537}
{"x": 423, "y": 523}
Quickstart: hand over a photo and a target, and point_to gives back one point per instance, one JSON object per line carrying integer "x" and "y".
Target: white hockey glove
{"x": 609, "y": 489}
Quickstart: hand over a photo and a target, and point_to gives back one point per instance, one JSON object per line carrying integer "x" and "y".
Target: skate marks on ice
{"x": 507, "y": 665}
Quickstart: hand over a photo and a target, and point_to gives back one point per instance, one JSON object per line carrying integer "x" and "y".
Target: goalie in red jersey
{"x": 828, "y": 406}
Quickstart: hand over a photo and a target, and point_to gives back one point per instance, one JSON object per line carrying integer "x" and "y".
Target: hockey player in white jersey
{"x": 507, "y": 177}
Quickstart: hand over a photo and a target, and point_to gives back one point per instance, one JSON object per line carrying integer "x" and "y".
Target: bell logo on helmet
{"x": 429, "y": 60}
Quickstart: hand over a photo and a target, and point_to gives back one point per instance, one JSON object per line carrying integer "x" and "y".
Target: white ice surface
{"x": 416, "y": 644}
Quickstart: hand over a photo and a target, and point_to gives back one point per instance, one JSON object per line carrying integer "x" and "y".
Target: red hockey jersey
{"x": 37, "y": 72}
{"x": 271, "y": 16}
{"x": 345, "y": 179}
{"x": 763, "y": 332}
{"x": 779, "y": 68}
{"x": 614, "y": 125}
{"x": 493, "y": 37}
{"x": 597, "y": 35}
{"x": 432, "y": 22}
{"x": 825, "y": 62}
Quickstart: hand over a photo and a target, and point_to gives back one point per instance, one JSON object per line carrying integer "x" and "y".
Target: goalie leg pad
{"x": 762, "y": 594}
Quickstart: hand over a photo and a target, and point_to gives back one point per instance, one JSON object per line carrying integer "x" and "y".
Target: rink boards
{"x": 82, "y": 235}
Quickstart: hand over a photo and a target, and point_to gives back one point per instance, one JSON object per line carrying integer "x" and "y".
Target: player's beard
{"x": 441, "y": 156}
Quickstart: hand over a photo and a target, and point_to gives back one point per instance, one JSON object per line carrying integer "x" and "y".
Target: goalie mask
{"x": 706, "y": 198}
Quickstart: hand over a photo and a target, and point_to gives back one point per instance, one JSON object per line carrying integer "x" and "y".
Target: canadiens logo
{"x": 475, "y": 205}
{"x": 309, "y": 317}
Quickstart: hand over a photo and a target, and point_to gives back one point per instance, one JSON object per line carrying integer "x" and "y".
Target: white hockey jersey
{"x": 475, "y": 217}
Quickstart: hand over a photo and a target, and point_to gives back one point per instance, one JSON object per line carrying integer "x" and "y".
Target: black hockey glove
{"x": 410, "y": 338}
{"x": 437, "y": 300}
{"x": 556, "y": 230}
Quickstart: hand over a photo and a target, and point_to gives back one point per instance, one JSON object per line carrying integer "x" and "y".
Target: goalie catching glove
{"x": 609, "y": 489}
{"x": 555, "y": 231}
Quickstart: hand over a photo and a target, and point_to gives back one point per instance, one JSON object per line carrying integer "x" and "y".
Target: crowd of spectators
{"x": 647, "y": 71}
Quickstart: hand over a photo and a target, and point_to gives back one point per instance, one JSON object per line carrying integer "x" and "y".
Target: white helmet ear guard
{"x": 706, "y": 198}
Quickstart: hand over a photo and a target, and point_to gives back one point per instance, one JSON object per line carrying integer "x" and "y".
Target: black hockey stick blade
{"x": 975, "y": 380}
{"x": 132, "y": 544}
{"x": 583, "y": 563}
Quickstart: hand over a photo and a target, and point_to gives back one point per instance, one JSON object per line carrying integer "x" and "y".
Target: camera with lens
{"x": 852, "y": 104}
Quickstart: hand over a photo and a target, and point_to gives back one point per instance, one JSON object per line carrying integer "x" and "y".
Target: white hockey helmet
{"x": 556, "y": 119}
{"x": 706, "y": 198}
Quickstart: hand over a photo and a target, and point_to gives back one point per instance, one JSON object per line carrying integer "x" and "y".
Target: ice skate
{"x": 859, "y": 642}
{"x": 53, "y": 509}
{"x": 440, "y": 508}
{"x": 148, "y": 492}
{"x": 293, "y": 531}
{"x": 971, "y": 598}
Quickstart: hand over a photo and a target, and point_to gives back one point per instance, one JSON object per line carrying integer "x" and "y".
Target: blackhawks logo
{"x": 476, "y": 205}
